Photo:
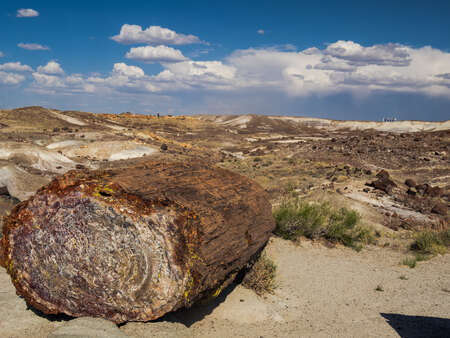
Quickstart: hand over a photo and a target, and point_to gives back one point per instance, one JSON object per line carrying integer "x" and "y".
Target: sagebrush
{"x": 431, "y": 242}
{"x": 295, "y": 218}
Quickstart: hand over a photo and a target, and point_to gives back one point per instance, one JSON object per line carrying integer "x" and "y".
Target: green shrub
{"x": 261, "y": 276}
{"x": 410, "y": 261}
{"x": 431, "y": 243}
{"x": 295, "y": 218}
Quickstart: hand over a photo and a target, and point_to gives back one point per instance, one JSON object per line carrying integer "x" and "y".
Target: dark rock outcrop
{"x": 440, "y": 209}
{"x": 410, "y": 183}
{"x": 383, "y": 183}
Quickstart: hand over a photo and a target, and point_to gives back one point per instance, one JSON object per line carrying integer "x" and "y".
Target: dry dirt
{"x": 322, "y": 291}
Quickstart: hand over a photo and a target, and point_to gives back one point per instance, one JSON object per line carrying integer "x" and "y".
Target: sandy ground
{"x": 322, "y": 292}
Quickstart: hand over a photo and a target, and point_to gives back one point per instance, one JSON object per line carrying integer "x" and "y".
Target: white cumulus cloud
{"x": 49, "y": 81}
{"x": 153, "y": 35}
{"x": 15, "y": 67}
{"x": 11, "y": 78}
{"x": 260, "y": 31}
{"x": 155, "y": 54}
{"x": 1, "y": 54}
{"x": 32, "y": 46}
{"x": 344, "y": 66}
{"x": 27, "y": 13}
{"x": 388, "y": 54}
{"x": 126, "y": 70}
{"x": 51, "y": 67}
{"x": 341, "y": 67}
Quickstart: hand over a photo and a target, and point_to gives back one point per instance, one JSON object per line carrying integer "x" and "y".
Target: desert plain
{"x": 396, "y": 175}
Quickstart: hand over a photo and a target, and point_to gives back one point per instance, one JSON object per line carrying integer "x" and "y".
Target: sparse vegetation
{"x": 431, "y": 243}
{"x": 296, "y": 218}
{"x": 426, "y": 245}
{"x": 261, "y": 276}
{"x": 410, "y": 261}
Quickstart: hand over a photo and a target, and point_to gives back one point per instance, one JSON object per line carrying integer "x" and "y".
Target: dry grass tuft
{"x": 261, "y": 276}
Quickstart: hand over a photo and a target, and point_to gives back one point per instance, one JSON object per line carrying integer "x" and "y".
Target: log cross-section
{"x": 132, "y": 244}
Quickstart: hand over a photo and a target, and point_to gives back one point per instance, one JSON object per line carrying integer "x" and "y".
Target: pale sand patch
{"x": 19, "y": 183}
{"x": 394, "y": 127}
{"x": 66, "y": 118}
{"x": 63, "y": 144}
{"x": 323, "y": 293}
{"x": 112, "y": 151}
{"x": 239, "y": 121}
{"x": 37, "y": 157}
{"x": 387, "y": 204}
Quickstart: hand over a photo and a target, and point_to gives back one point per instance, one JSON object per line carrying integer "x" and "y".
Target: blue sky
{"x": 335, "y": 59}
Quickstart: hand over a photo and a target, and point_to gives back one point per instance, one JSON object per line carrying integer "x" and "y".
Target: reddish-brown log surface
{"x": 133, "y": 244}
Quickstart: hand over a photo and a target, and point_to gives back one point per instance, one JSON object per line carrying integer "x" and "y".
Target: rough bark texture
{"x": 133, "y": 244}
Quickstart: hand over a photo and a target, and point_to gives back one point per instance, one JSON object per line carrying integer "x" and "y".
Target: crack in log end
{"x": 128, "y": 246}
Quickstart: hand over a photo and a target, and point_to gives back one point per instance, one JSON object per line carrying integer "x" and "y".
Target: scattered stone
{"x": 410, "y": 183}
{"x": 164, "y": 147}
{"x": 422, "y": 187}
{"x": 411, "y": 192}
{"x": 433, "y": 191}
{"x": 384, "y": 182}
{"x": 4, "y": 191}
{"x": 439, "y": 208}
{"x": 80, "y": 166}
{"x": 366, "y": 190}
{"x": 383, "y": 174}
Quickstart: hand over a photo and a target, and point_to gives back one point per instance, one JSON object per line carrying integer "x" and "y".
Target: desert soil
{"x": 322, "y": 292}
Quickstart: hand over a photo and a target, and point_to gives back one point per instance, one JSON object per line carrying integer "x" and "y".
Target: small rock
{"x": 366, "y": 190}
{"x": 163, "y": 147}
{"x": 412, "y": 192}
{"x": 4, "y": 191}
{"x": 383, "y": 174}
{"x": 440, "y": 209}
{"x": 79, "y": 166}
{"x": 433, "y": 191}
{"x": 383, "y": 183}
{"x": 421, "y": 187}
{"x": 410, "y": 183}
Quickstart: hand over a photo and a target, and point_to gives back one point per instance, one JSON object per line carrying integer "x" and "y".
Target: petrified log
{"x": 133, "y": 244}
